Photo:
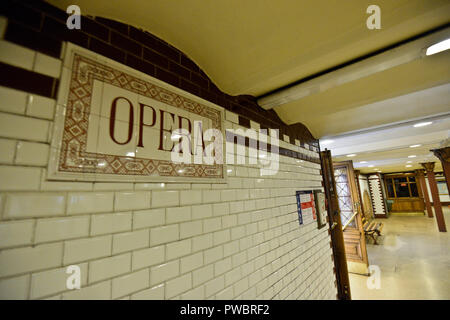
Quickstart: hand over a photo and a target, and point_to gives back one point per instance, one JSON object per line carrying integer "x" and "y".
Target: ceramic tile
{"x": 20, "y": 205}
{"x": 13, "y": 101}
{"x": 7, "y": 150}
{"x": 40, "y": 107}
{"x": 47, "y": 65}
{"x": 19, "y": 127}
{"x": 18, "y": 56}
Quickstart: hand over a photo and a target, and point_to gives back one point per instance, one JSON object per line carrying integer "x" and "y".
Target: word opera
{"x": 115, "y": 123}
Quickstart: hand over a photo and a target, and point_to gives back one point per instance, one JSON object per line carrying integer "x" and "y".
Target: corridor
{"x": 414, "y": 260}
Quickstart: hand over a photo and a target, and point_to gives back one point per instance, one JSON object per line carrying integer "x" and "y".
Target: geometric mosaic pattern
{"x": 73, "y": 155}
{"x": 344, "y": 195}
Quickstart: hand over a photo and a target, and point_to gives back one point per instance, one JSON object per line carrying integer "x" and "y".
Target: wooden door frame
{"x": 357, "y": 174}
{"x": 335, "y": 227}
{"x": 359, "y": 231}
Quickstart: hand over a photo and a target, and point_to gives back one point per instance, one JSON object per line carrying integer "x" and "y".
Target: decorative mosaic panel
{"x": 115, "y": 123}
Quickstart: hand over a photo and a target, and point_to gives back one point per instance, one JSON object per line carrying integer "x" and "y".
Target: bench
{"x": 372, "y": 229}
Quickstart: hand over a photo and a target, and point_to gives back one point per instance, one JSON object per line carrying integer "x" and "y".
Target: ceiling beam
{"x": 388, "y": 59}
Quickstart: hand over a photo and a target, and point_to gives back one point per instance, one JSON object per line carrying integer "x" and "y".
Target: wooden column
{"x": 444, "y": 155}
{"x": 423, "y": 187}
{"x": 334, "y": 220}
{"x": 357, "y": 173}
{"x": 429, "y": 167}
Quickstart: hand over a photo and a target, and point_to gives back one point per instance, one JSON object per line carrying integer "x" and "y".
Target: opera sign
{"x": 115, "y": 123}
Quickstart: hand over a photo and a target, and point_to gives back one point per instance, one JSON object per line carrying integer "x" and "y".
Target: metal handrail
{"x": 351, "y": 219}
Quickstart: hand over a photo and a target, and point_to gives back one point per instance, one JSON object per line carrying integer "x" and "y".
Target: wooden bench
{"x": 372, "y": 228}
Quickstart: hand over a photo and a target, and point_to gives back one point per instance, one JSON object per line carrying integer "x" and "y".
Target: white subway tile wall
{"x": 237, "y": 240}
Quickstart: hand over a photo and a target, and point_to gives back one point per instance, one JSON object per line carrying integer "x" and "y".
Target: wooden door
{"x": 350, "y": 210}
{"x": 334, "y": 220}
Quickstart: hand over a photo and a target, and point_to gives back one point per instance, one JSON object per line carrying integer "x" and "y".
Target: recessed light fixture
{"x": 438, "y": 47}
{"x": 408, "y": 166}
{"x": 351, "y": 155}
{"x": 408, "y": 161}
{"x": 326, "y": 142}
{"x": 371, "y": 166}
{"x": 412, "y": 156}
{"x": 422, "y": 124}
{"x": 415, "y": 145}
{"x": 363, "y": 162}
{"x": 130, "y": 154}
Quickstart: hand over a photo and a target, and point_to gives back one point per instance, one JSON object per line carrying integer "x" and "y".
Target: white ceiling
{"x": 387, "y": 149}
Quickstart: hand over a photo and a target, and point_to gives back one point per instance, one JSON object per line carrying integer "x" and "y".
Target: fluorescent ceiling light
{"x": 408, "y": 161}
{"x": 408, "y": 166}
{"x": 351, "y": 155}
{"x": 371, "y": 166}
{"x": 412, "y": 156}
{"x": 363, "y": 162}
{"x": 422, "y": 124}
{"x": 415, "y": 145}
{"x": 438, "y": 47}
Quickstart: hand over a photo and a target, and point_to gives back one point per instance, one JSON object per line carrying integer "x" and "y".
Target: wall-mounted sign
{"x": 306, "y": 207}
{"x": 115, "y": 123}
{"x": 321, "y": 208}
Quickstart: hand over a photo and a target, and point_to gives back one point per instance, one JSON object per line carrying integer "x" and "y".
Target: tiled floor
{"x": 413, "y": 259}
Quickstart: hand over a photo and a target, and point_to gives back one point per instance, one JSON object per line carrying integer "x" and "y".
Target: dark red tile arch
{"x": 42, "y": 27}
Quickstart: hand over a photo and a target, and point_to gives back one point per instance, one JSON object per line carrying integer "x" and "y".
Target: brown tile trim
{"x": 378, "y": 216}
{"x": 34, "y": 40}
{"x": 41, "y": 26}
{"x": 244, "y": 122}
{"x": 33, "y": 82}
{"x": 28, "y": 81}
{"x": 237, "y": 139}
